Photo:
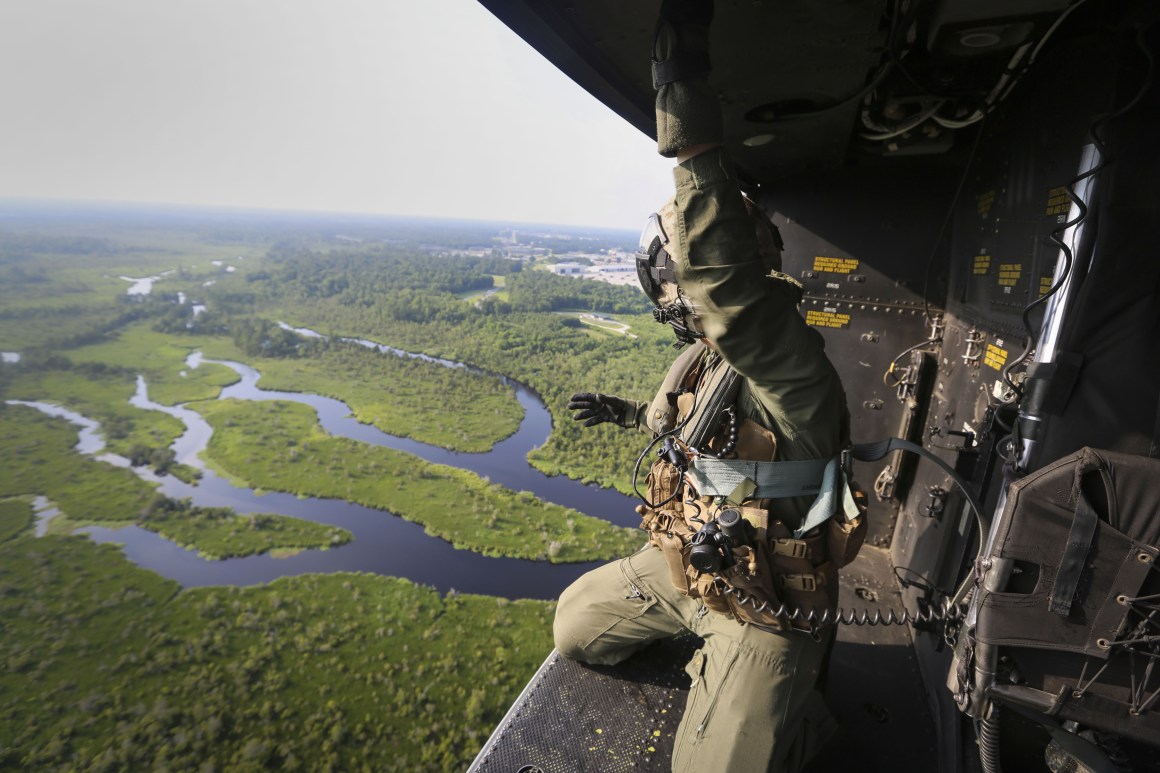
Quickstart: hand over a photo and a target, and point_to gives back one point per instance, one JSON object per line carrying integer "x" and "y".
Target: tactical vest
{"x": 707, "y": 400}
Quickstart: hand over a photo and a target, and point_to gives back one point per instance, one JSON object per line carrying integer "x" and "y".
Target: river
{"x": 383, "y": 543}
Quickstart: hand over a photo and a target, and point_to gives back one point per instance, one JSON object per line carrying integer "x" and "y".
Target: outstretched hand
{"x": 598, "y": 409}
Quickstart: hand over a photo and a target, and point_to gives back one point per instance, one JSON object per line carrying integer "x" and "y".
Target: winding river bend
{"x": 383, "y": 543}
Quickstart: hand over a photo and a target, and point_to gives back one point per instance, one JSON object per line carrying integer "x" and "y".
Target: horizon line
{"x": 45, "y": 202}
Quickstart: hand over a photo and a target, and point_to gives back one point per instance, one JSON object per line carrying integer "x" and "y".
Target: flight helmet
{"x": 656, "y": 267}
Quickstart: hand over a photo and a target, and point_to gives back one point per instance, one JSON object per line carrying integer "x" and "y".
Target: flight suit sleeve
{"x": 750, "y": 317}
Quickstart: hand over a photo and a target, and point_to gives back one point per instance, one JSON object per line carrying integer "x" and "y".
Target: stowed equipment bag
{"x": 1079, "y": 615}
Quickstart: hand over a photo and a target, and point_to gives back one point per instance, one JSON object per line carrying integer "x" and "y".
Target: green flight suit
{"x": 753, "y": 320}
{"x": 752, "y": 706}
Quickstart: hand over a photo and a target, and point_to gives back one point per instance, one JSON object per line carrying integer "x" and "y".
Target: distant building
{"x": 568, "y": 269}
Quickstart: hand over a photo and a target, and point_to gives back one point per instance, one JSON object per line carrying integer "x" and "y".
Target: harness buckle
{"x": 806, "y": 583}
{"x": 794, "y": 548}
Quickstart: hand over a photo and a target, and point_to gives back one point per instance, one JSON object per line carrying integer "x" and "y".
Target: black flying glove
{"x": 688, "y": 112}
{"x": 598, "y": 409}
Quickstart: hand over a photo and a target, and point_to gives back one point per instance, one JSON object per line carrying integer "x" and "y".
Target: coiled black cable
{"x": 947, "y": 612}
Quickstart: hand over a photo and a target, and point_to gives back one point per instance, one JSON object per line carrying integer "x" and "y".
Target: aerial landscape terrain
{"x": 297, "y": 491}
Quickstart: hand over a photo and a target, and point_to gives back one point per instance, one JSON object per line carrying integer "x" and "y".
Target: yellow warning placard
{"x": 1045, "y": 283}
{"x": 995, "y": 357}
{"x": 827, "y": 318}
{"x": 1009, "y": 274}
{"x": 834, "y": 265}
{"x": 985, "y": 202}
{"x": 982, "y": 265}
{"x": 1058, "y": 202}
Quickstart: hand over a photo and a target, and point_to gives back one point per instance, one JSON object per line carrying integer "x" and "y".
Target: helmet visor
{"x": 654, "y": 265}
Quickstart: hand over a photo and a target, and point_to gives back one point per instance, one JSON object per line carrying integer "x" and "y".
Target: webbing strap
{"x": 827, "y": 477}
{"x": 1079, "y": 543}
{"x": 834, "y": 498}
{"x": 713, "y": 477}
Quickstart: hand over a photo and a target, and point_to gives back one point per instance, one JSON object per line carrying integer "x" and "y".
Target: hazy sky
{"x": 426, "y": 107}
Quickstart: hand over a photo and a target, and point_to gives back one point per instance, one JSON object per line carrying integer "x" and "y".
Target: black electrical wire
{"x": 790, "y": 612}
{"x": 874, "y": 83}
{"x": 903, "y": 353}
{"x": 922, "y": 583}
{"x": 661, "y": 437}
{"x": 893, "y": 52}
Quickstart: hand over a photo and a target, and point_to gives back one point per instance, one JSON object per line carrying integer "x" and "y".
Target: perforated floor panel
{"x": 573, "y": 718}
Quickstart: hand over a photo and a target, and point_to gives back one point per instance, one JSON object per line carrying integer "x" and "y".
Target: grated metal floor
{"x": 574, "y": 718}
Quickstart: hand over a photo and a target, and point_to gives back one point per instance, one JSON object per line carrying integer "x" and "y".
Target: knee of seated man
{"x": 572, "y": 628}
{"x": 585, "y": 613}
{"x": 567, "y": 643}
{"x": 578, "y": 640}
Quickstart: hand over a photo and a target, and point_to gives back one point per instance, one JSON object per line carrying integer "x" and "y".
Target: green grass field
{"x": 217, "y": 532}
{"x": 448, "y": 407}
{"x": 160, "y": 357}
{"x": 109, "y": 667}
{"x": 39, "y": 460}
{"x": 15, "y": 517}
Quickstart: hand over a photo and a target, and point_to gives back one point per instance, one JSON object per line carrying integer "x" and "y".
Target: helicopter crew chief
{"x": 731, "y": 548}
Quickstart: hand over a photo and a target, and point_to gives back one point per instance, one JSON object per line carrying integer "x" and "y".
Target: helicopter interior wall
{"x": 1001, "y": 259}
{"x": 888, "y": 217}
{"x": 887, "y": 220}
{"x": 1115, "y": 328}
{"x": 881, "y": 227}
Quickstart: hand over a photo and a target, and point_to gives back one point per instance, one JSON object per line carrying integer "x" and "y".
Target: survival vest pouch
{"x": 1078, "y": 614}
{"x": 774, "y": 569}
{"x": 776, "y": 566}
{"x": 845, "y": 538}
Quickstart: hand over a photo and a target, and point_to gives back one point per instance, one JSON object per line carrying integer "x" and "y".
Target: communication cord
{"x": 947, "y": 612}
{"x": 662, "y": 436}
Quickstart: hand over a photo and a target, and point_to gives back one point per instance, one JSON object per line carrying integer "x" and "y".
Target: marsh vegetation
{"x": 218, "y": 533}
{"x": 107, "y": 666}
